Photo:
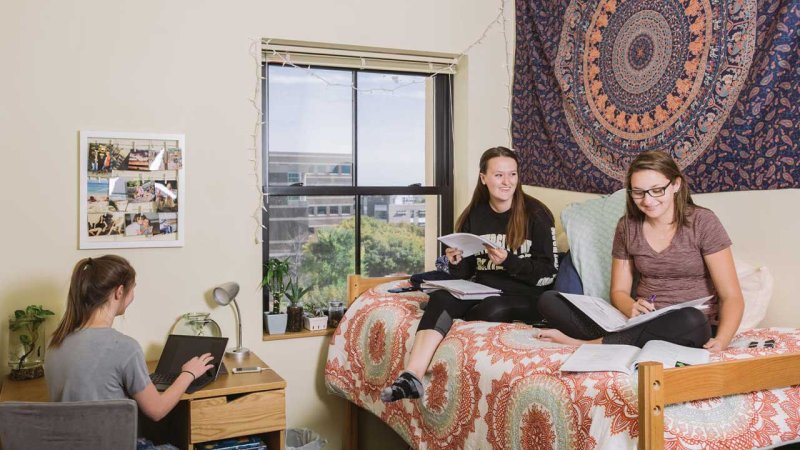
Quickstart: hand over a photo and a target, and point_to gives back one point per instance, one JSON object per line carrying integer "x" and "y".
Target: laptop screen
{"x": 180, "y": 348}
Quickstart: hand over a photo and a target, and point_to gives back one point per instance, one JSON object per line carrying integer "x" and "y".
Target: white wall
{"x": 184, "y": 66}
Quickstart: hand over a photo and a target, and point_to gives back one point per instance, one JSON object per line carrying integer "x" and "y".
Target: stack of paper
{"x": 462, "y": 289}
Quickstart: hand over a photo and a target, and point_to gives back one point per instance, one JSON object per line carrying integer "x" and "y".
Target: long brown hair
{"x": 664, "y": 164}
{"x": 93, "y": 281}
{"x": 518, "y": 222}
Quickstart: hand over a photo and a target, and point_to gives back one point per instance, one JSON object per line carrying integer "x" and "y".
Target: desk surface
{"x": 36, "y": 390}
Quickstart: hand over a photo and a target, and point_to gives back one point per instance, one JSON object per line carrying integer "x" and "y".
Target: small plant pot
{"x": 315, "y": 323}
{"x": 295, "y": 319}
{"x": 275, "y": 323}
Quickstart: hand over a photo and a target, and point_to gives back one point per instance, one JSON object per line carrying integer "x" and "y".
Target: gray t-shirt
{"x": 678, "y": 273}
{"x": 95, "y": 364}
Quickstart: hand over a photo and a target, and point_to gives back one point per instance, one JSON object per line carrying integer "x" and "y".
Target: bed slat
{"x": 731, "y": 377}
{"x": 659, "y": 387}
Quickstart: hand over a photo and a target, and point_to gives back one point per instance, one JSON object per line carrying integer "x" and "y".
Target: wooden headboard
{"x": 356, "y": 284}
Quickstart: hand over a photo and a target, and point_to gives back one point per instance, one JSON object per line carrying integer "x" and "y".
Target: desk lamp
{"x": 226, "y": 294}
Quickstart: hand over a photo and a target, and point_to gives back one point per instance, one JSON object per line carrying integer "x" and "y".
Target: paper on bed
{"x": 468, "y": 243}
{"x": 611, "y": 319}
{"x": 462, "y": 289}
{"x": 625, "y": 358}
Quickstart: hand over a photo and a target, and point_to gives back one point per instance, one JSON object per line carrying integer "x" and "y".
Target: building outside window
{"x": 367, "y": 145}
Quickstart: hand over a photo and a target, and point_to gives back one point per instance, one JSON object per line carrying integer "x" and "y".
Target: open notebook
{"x": 468, "y": 243}
{"x": 626, "y": 358}
{"x": 612, "y": 319}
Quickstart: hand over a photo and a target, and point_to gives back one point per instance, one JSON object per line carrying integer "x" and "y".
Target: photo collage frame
{"x": 132, "y": 190}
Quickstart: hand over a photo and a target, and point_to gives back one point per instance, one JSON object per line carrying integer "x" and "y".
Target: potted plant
{"x": 26, "y": 343}
{"x": 275, "y": 281}
{"x": 294, "y": 292}
{"x": 314, "y": 317}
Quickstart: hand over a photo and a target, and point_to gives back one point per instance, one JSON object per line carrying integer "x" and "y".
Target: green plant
{"x": 274, "y": 280}
{"x": 294, "y": 292}
{"x": 28, "y": 320}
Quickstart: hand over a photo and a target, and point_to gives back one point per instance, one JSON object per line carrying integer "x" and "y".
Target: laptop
{"x": 181, "y": 348}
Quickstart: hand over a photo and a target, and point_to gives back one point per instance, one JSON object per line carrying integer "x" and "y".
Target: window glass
{"x": 391, "y": 129}
{"x": 319, "y": 132}
{"x": 399, "y": 242}
{"x": 310, "y": 121}
{"x": 321, "y": 247}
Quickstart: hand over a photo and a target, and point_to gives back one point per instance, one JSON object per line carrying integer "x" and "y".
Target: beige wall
{"x": 184, "y": 66}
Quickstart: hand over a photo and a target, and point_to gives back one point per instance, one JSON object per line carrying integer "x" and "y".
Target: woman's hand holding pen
{"x": 453, "y": 255}
{"x": 642, "y": 306}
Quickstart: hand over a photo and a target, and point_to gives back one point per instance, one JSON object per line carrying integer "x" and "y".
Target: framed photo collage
{"x": 131, "y": 190}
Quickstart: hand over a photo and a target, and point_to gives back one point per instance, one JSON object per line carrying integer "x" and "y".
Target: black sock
{"x": 407, "y": 385}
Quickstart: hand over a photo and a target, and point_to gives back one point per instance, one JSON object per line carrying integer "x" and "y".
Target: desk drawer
{"x": 254, "y": 413}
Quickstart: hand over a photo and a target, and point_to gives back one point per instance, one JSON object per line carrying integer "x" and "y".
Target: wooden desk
{"x": 233, "y": 405}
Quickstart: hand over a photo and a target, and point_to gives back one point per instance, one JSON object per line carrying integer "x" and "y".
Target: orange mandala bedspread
{"x": 493, "y": 386}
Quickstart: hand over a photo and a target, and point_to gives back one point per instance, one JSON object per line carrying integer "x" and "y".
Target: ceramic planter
{"x": 275, "y": 323}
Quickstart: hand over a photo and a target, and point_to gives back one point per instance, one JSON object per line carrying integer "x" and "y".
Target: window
{"x": 372, "y": 161}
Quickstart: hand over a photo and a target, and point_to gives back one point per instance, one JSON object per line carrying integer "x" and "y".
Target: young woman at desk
{"x": 523, "y": 266}
{"x": 89, "y": 360}
{"x": 681, "y": 252}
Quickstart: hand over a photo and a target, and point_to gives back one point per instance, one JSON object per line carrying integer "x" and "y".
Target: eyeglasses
{"x": 654, "y": 192}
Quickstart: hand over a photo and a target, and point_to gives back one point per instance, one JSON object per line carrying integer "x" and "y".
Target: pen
{"x": 652, "y": 300}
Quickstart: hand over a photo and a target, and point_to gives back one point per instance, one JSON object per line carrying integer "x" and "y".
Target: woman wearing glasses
{"x": 678, "y": 250}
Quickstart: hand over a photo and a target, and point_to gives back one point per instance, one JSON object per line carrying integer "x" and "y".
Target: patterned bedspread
{"x": 493, "y": 386}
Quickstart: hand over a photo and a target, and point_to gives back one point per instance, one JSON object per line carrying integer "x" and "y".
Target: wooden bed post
{"x": 351, "y": 426}
{"x": 356, "y": 285}
{"x": 651, "y": 406}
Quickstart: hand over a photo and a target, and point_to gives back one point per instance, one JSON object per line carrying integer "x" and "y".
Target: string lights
{"x": 285, "y": 60}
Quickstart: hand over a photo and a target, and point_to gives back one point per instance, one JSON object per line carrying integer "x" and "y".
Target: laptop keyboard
{"x": 169, "y": 378}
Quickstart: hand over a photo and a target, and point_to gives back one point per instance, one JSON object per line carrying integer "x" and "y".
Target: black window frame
{"x": 443, "y": 165}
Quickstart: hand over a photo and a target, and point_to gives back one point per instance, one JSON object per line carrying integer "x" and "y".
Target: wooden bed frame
{"x": 658, "y": 387}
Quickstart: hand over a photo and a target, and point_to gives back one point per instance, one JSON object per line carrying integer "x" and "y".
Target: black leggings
{"x": 685, "y": 326}
{"x": 442, "y": 308}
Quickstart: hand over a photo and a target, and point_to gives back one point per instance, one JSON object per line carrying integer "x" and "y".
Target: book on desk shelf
{"x": 468, "y": 243}
{"x": 626, "y": 358}
{"x": 241, "y": 443}
{"x": 612, "y": 319}
{"x": 461, "y": 289}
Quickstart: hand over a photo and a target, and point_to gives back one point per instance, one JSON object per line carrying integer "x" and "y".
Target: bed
{"x": 493, "y": 386}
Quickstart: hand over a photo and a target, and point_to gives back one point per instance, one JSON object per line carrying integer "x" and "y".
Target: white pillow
{"x": 590, "y": 227}
{"x": 756, "y": 283}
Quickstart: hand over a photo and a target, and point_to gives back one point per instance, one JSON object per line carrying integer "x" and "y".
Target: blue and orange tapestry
{"x": 716, "y": 83}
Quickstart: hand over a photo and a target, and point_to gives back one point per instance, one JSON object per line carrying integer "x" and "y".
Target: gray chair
{"x": 106, "y": 424}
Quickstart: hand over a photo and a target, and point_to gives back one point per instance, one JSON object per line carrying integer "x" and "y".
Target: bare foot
{"x": 553, "y": 335}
